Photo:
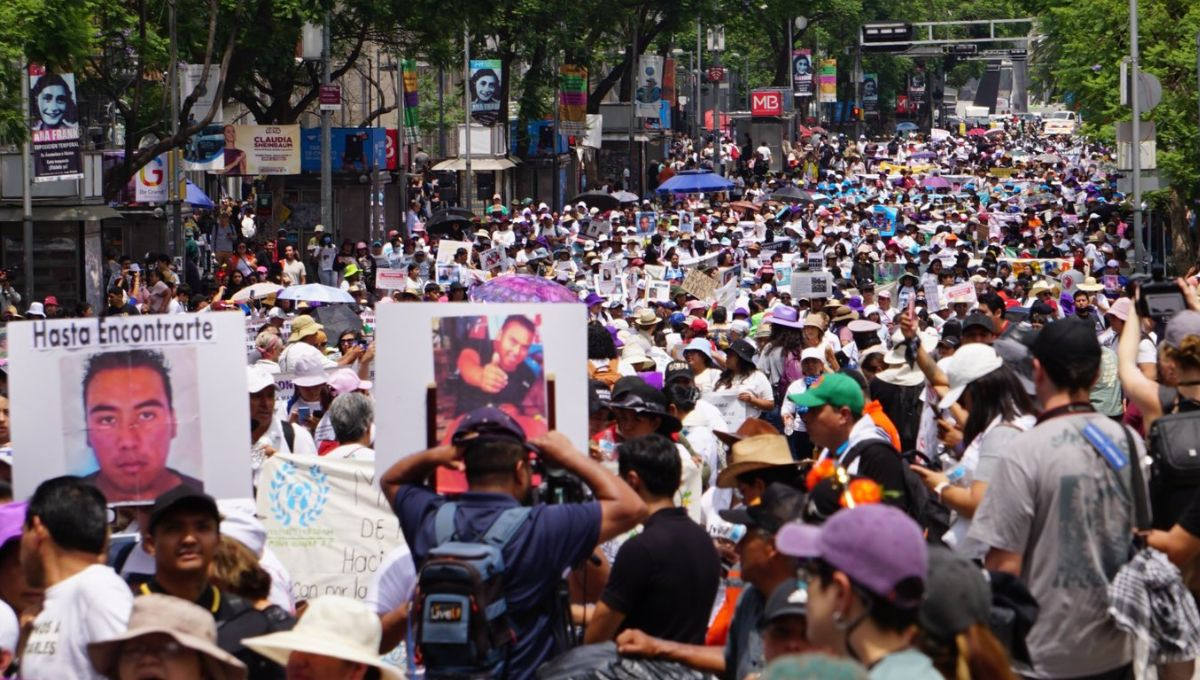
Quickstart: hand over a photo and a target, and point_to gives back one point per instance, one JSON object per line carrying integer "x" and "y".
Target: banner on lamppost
{"x": 649, "y": 85}
{"x": 193, "y": 82}
{"x": 150, "y": 182}
{"x": 54, "y": 126}
{"x": 802, "y": 73}
{"x": 485, "y": 91}
{"x": 916, "y": 85}
{"x": 870, "y": 91}
{"x": 412, "y": 102}
{"x": 828, "y": 81}
{"x": 572, "y": 99}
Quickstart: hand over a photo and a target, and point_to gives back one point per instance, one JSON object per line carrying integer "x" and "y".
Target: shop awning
{"x": 61, "y": 213}
{"x": 477, "y": 164}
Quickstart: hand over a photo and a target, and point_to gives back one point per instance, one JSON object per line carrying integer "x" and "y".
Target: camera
{"x": 558, "y": 486}
{"x": 1160, "y": 299}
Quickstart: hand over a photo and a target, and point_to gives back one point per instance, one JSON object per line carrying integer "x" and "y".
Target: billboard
{"x": 353, "y": 150}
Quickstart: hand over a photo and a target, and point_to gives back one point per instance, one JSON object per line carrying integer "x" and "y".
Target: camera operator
{"x": 491, "y": 447}
{"x": 9, "y": 297}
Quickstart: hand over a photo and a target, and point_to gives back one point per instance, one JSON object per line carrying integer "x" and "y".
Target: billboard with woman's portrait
{"x": 54, "y": 126}
{"x": 485, "y": 91}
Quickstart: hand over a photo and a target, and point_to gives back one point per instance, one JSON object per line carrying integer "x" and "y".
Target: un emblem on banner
{"x": 298, "y": 499}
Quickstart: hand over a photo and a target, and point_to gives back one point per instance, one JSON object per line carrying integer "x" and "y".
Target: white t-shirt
{"x": 295, "y": 271}
{"x": 89, "y": 606}
{"x": 327, "y": 255}
{"x": 1147, "y": 353}
{"x": 351, "y": 452}
{"x": 395, "y": 581}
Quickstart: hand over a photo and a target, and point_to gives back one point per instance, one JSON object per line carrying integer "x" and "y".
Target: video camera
{"x": 1160, "y": 299}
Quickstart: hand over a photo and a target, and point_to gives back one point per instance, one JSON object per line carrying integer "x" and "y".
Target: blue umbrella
{"x": 695, "y": 182}
{"x": 907, "y": 126}
{"x": 197, "y": 197}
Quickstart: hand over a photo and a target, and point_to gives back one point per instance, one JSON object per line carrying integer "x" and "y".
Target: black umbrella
{"x": 337, "y": 319}
{"x": 789, "y": 194}
{"x": 600, "y": 200}
{"x": 443, "y": 221}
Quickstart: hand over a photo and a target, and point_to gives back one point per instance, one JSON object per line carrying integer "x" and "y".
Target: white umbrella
{"x": 256, "y": 291}
{"x": 315, "y": 292}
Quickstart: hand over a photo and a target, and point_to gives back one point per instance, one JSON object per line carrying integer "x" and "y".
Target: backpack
{"x": 790, "y": 374}
{"x": 1175, "y": 442}
{"x": 919, "y": 502}
{"x": 607, "y": 374}
{"x": 462, "y": 619}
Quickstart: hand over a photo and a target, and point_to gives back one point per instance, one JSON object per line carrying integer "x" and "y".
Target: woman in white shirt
{"x": 744, "y": 379}
{"x": 699, "y": 356}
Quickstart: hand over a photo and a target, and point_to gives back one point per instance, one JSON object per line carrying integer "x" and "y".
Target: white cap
{"x": 970, "y": 363}
{"x": 239, "y": 521}
{"x": 277, "y": 313}
{"x": 258, "y": 379}
{"x": 812, "y": 353}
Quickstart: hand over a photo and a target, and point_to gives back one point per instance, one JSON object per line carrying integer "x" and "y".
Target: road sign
{"x": 1018, "y": 54}
{"x": 716, "y": 74}
{"x": 330, "y": 97}
{"x": 766, "y": 103}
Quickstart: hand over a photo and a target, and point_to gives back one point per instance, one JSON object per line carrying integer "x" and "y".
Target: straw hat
{"x": 303, "y": 326}
{"x": 750, "y": 427}
{"x": 755, "y": 453}
{"x": 184, "y": 622}
{"x": 646, "y": 317}
{"x": 1090, "y": 285}
{"x": 334, "y": 626}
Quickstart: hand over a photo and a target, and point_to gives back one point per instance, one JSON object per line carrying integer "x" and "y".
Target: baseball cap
{"x": 779, "y": 505}
{"x": 258, "y": 379}
{"x": 599, "y": 396}
{"x": 958, "y": 595}
{"x": 980, "y": 320}
{"x": 968, "y": 364}
{"x": 182, "y": 496}
{"x": 677, "y": 370}
{"x": 487, "y": 422}
{"x": 1065, "y": 342}
{"x": 879, "y": 547}
{"x": 309, "y": 371}
{"x": 12, "y": 520}
{"x": 789, "y": 599}
{"x": 834, "y": 389}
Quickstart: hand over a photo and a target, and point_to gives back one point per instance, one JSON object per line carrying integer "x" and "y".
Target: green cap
{"x": 836, "y": 390}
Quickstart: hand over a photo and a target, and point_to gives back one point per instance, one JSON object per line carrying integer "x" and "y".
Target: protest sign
{"x": 426, "y": 344}
{"x": 811, "y": 284}
{"x": 961, "y": 292}
{"x": 608, "y": 281}
{"x": 655, "y": 271}
{"x": 699, "y": 284}
{"x": 732, "y": 410}
{"x": 79, "y": 385}
{"x": 492, "y": 259}
{"x": 886, "y": 272}
{"x": 327, "y": 521}
{"x": 932, "y": 300}
{"x": 733, "y": 274}
{"x": 391, "y": 279}
{"x": 783, "y": 275}
{"x": 658, "y": 291}
{"x": 646, "y": 222}
{"x": 816, "y": 263}
{"x": 447, "y": 250}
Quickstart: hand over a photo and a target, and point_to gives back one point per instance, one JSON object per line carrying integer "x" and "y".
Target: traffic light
{"x": 885, "y": 32}
{"x": 856, "y": 113}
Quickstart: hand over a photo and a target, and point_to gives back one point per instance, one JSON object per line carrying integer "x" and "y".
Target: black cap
{"x": 179, "y": 498}
{"x": 643, "y": 399}
{"x": 980, "y": 320}
{"x": 779, "y": 505}
{"x": 744, "y": 350}
{"x": 1066, "y": 341}
{"x": 789, "y": 599}
{"x": 599, "y": 396}
{"x": 957, "y": 595}
{"x": 676, "y": 370}
{"x": 487, "y": 422}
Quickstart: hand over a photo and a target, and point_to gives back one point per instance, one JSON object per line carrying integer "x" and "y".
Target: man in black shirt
{"x": 183, "y": 534}
{"x": 664, "y": 580}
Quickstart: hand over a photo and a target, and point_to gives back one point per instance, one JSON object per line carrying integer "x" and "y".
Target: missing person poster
{"x": 649, "y": 86}
{"x": 519, "y": 358}
{"x": 136, "y": 405}
{"x": 54, "y": 126}
{"x": 916, "y": 85}
{"x": 485, "y": 91}
{"x": 802, "y": 73}
{"x": 262, "y": 149}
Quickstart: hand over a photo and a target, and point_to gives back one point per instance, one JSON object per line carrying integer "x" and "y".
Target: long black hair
{"x": 999, "y": 393}
{"x": 70, "y": 115}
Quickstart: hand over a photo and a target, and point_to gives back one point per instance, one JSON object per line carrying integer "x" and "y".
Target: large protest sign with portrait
{"x": 137, "y": 405}
{"x": 485, "y": 91}
{"x": 520, "y": 358}
{"x": 54, "y": 126}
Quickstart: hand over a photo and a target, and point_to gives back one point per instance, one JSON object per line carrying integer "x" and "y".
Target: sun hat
{"x": 634, "y": 355}
{"x": 188, "y": 624}
{"x": 592, "y": 299}
{"x": 755, "y": 453}
{"x": 344, "y": 381}
{"x": 646, "y": 317}
{"x": 833, "y": 389}
{"x": 970, "y": 363}
{"x": 258, "y": 379}
{"x": 309, "y": 371}
{"x": 350, "y": 270}
{"x": 958, "y": 595}
{"x": 778, "y": 505}
{"x": 699, "y": 345}
{"x": 878, "y": 546}
{"x": 35, "y": 309}
{"x": 744, "y": 350}
{"x": 786, "y": 316}
{"x": 1120, "y": 308}
{"x": 1090, "y": 285}
{"x": 750, "y": 427}
{"x": 816, "y": 320}
{"x": 333, "y": 626}
{"x": 303, "y": 326}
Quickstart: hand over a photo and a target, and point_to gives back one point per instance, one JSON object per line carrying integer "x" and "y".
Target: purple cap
{"x": 877, "y": 546}
{"x": 742, "y": 311}
{"x": 855, "y": 303}
{"x": 12, "y": 521}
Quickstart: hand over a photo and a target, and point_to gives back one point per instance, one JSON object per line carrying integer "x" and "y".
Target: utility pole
{"x": 27, "y": 194}
{"x": 1135, "y": 81}
{"x": 326, "y": 136}
{"x": 465, "y": 200}
{"x": 555, "y": 181}
{"x": 791, "y": 47}
{"x": 402, "y": 143}
{"x": 175, "y": 221}
{"x": 441, "y": 112}
{"x": 633, "y": 155}
{"x": 717, "y": 44}
{"x": 857, "y": 77}
{"x": 699, "y": 89}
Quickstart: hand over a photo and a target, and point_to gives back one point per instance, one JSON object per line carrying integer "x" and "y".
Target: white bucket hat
{"x": 333, "y": 626}
{"x": 970, "y": 363}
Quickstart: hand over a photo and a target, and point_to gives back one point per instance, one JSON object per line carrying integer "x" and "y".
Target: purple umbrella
{"x": 521, "y": 288}
{"x": 920, "y": 155}
{"x": 935, "y": 182}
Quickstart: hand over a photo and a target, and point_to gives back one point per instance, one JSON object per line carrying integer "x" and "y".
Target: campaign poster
{"x": 54, "y": 126}
{"x": 649, "y": 86}
{"x": 135, "y": 405}
{"x": 870, "y": 91}
{"x": 352, "y": 150}
{"x": 192, "y": 81}
{"x": 150, "y": 182}
{"x": 485, "y": 91}
{"x": 262, "y": 149}
{"x": 828, "y": 81}
{"x": 520, "y": 358}
{"x": 572, "y": 99}
{"x": 802, "y": 73}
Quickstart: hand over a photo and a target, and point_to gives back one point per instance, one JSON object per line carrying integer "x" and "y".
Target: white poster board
{"x": 811, "y": 284}
{"x": 959, "y": 292}
{"x": 391, "y": 279}
{"x": 932, "y": 300}
{"x": 327, "y": 521}
{"x": 81, "y": 387}
{"x": 732, "y": 410}
{"x": 447, "y": 249}
{"x": 492, "y": 259}
{"x": 417, "y": 348}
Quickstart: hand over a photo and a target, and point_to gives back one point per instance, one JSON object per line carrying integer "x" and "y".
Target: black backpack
{"x": 919, "y": 502}
{"x": 1174, "y": 448}
{"x": 461, "y": 614}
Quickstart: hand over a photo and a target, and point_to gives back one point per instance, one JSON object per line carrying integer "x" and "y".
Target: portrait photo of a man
{"x": 495, "y": 361}
{"x": 130, "y": 411}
